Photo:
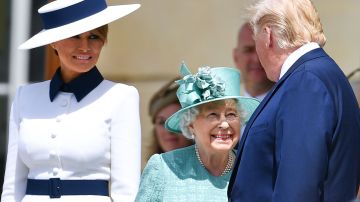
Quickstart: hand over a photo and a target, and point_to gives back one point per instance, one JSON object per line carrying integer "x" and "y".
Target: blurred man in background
{"x": 255, "y": 82}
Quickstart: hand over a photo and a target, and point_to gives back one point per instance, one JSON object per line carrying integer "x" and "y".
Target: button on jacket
{"x": 97, "y": 137}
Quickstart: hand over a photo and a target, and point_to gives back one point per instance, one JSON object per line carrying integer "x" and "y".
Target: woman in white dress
{"x": 75, "y": 137}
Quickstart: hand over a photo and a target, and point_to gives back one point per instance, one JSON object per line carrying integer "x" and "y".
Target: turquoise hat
{"x": 208, "y": 85}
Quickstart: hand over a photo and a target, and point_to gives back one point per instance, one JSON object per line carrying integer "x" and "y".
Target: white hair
{"x": 190, "y": 115}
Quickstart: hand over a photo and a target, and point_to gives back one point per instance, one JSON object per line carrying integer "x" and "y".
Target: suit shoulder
{"x": 179, "y": 152}
{"x": 323, "y": 66}
{"x": 36, "y": 85}
{"x": 179, "y": 157}
{"x": 34, "y": 89}
{"x": 118, "y": 91}
{"x": 120, "y": 87}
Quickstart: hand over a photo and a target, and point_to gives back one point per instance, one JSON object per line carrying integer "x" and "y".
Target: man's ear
{"x": 235, "y": 57}
{"x": 269, "y": 39}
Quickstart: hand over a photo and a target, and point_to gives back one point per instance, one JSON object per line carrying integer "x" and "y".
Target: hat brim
{"x": 248, "y": 104}
{"x": 111, "y": 13}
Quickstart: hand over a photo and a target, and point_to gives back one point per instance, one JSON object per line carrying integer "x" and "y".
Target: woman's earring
{"x": 192, "y": 133}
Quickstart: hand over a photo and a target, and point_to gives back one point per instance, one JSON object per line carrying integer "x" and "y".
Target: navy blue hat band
{"x": 72, "y": 13}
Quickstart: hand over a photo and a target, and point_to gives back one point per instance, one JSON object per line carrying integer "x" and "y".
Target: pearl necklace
{"x": 229, "y": 164}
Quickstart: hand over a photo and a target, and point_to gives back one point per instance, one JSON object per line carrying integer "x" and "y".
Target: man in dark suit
{"x": 302, "y": 142}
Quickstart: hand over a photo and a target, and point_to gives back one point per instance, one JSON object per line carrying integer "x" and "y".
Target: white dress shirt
{"x": 294, "y": 56}
{"x": 259, "y": 97}
{"x": 98, "y": 137}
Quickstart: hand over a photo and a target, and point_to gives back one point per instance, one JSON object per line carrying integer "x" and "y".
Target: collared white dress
{"x": 96, "y": 138}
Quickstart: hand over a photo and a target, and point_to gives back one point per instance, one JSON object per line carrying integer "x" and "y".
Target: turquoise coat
{"x": 179, "y": 176}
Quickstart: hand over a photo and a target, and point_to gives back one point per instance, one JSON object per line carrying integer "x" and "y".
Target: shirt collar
{"x": 80, "y": 86}
{"x": 259, "y": 97}
{"x": 294, "y": 56}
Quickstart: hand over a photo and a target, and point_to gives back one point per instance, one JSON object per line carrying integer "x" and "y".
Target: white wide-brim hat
{"x": 66, "y": 18}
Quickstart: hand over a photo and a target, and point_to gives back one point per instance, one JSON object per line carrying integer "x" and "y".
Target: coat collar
{"x": 80, "y": 86}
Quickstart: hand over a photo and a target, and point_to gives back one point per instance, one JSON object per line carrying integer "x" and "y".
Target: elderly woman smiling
{"x": 212, "y": 114}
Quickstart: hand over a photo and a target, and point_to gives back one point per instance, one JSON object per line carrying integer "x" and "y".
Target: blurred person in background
{"x": 253, "y": 76}
{"x": 77, "y": 136}
{"x": 163, "y": 104}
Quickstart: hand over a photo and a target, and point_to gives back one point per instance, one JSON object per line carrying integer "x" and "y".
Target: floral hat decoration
{"x": 208, "y": 85}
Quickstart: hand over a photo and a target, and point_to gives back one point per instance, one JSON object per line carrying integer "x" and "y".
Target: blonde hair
{"x": 103, "y": 30}
{"x": 165, "y": 96}
{"x": 295, "y": 22}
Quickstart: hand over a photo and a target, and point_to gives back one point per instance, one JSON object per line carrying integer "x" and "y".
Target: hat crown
{"x": 62, "y": 12}
{"x": 207, "y": 84}
{"x": 56, "y": 5}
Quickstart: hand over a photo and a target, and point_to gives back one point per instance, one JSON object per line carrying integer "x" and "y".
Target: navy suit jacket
{"x": 302, "y": 144}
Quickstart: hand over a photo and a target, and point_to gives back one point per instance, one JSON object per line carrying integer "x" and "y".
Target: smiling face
{"x": 78, "y": 54}
{"x": 168, "y": 141}
{"x": 217, "y": 127}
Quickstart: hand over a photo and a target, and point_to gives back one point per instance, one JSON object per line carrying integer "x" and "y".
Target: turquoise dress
{"x": 178, "y": 176}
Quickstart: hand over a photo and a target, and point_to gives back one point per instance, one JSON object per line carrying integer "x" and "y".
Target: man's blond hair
{"x": 295, "y": 22}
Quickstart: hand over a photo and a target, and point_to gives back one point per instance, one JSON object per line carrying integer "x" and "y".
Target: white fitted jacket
{"x": 96, "y": 138}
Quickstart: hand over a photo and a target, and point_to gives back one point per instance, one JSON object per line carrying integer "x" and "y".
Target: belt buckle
{"x": 55, "y": 188}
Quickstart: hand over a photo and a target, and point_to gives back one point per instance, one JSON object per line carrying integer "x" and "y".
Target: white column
{"x": 3, "y": 88}
{"x": 19, "y": 32}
